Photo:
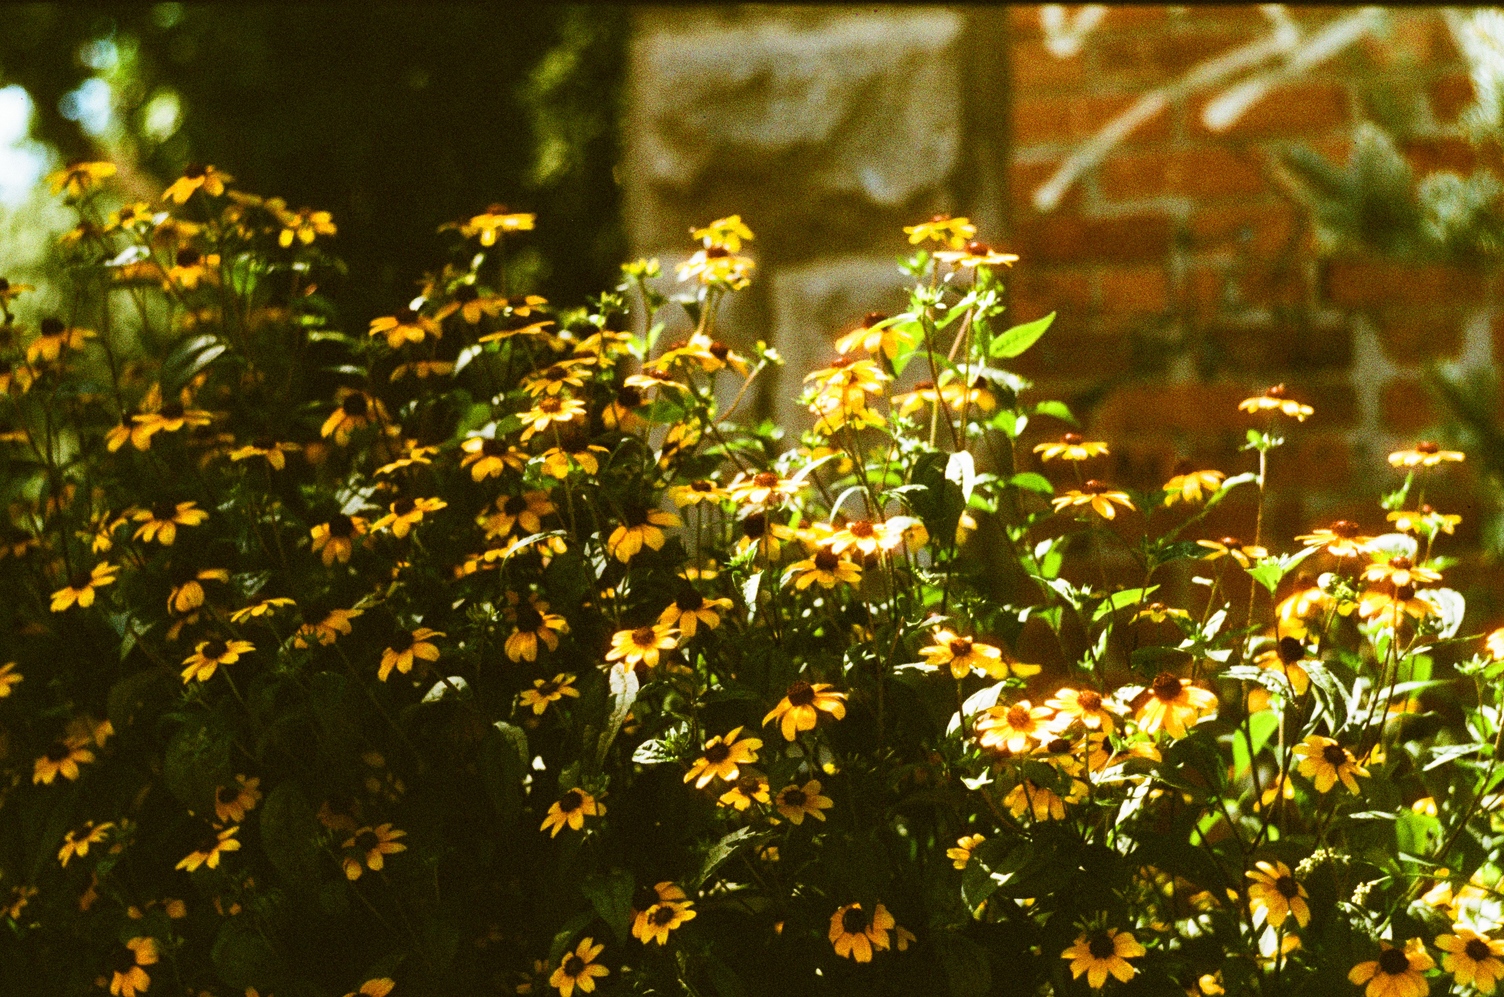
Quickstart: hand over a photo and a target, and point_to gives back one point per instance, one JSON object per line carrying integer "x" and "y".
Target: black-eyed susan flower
{"x": 963, "y": 655}
{"x": 471, "y": 304}
{"x": 53, "y": 338}
{"x": 9, "y": 678}
{"x": 960, "y": 853}
{"x": 208, "y": 655}
{"x": 157, "y": 416}
{"x": 1275, "y": 399}
{"x": 717, "y": 266}
{"x": 647, "y": 896}
{"x": 570, "y": 810}
{"x": 767, "y": 535}
{"x": 304, "y": 226}
{"x": 1244, "y": 554}
{"x": 1425, "y": 454}
{"x": 546, "y": 691}
{"x": 378, "y": 987}
{"x": 272, "y": 450}
{"x": 1399, "y": 571}
{"x": 1342, "y": 539}
{"x": 697, "y": 492}
{"x": 1158, "y": 612}
{"x": 726, "y": 232}
{"x": 534, "y": 624}
{"x": 128, "y": 974}
{"x": 496, "y": 221}
{"x": 869, "y": 537}
{"x": 856, "y": 936}
{"x": 407, "y": 326}
{"x": 1083, "y": 706}
{"x": 642, "y": 644}
{"x": 1275, "y": 895}
{"x": 556, "y": 377}
{"x": 1396, "y": 972}
{"x": 77, "y": 843}
{"x": 209, "y": 850}
{"x": 942, "y": 228}
{"x": 1288, "y": 656}
{"x": 1100, "y": 498}
{"x": 800, "y": 708}
{"x": 11, "y": 291}
{"x": 639, "y": 528}
{"x": 62, "y": 758}
{"x": 78, "y": 178}
{"x": 1388, "y": 605}
{"x": 722, "y": 758}
{"x": 160, "y": 521}
{"x": 1192, "y": 487}
{"x": 82, "y": 586}
{"x": 1298, "y": 607}
{"x": 1494, "y": 644}
{"x": 233, "y": 802}
{"x": 795, "y": 802}
{"x": 487, "y": 457}
{"x": 1325, "y": 762}
{"x": 1173, "y": 705}
{"x": 1474, "y": 959}
{"x": 1071, "y": 446}
{"x": 557, "y": 461}
{"x": 825, "y": 567}
{"x": 353, "y": 410}
{"x": 1102, "y": 953}
{"x": 1014, "y": 727}
{"x": 324, "y": 627}
{"x": 661, "y": 918}
{"x": 405, "y": 513}
{"x": 406, "y": 647}
{"x": 552, "y": 410}
{"x": 334, "y": 540}
{"x": 976, "y": 254}
{"x": 190, "y": 268}
{"x": 877, "y": 333}
{"x": 749, "y": 787}
{"x": 196, "y": 177}
{"x": 690, "y": 610}
{"x": 1043, "y": 802}
{"x": 579, "y": 969}
{"x": 761, "y": 488}
{"x": 369, "y": 847}
{"x": 1424, "y": 520}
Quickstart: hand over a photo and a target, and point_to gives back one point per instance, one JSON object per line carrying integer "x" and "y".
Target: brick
{"x": 1148, "y": 60}
{"x": 1141, "y": 409}
{"x": 1288, "y": 111}
{"x": 1135, "y": 289}
{"x": 1415, "y": 335}
{"x": 1429, "y": 155}
{"x": 1130, "y": 17}
{"x": 1059, "y": 355}
{"x": 1406, "y": 407}
{"x": 1035, "y": 291}
{"x": 1450, "y": 95}
{"x": 1206, "y": 173}
{"x": 1058, "y": 119}
{"x": 1024, "y": 178}
{"x": 1269, "y": 349}
{"x": 1036, "y": 68}
{"x": 1315, "y": 460}
{"x": 1244, "y": 17}
{"x": 1023, "y": 20}
{"x": 1371, "y": 283}
{"x": 1064, "y": 239}
{"x": 1264, "y": 230}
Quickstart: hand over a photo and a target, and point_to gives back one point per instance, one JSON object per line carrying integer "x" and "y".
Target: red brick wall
{"x": 1185, "y": 279}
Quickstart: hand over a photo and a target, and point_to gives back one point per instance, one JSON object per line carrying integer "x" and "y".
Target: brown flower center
{"x": 1291, "y": 650}
{"x": 402, "y": 641}
{"x": 515, "y": 505}
{"x": 853, "y": 922}
{"x": 628, "y": 397}
{"x": 960, "y": 647}
{"x": 528, "y": 619}
{"x": 1166, "y": 687}
{"x": 123, "y": 961}
{"x": 1393, "y": 962}
{"x": 717, "y": 253}
{"x": 1278, "y": 391}
{"x": 861, "y": 528}
{"x": 826, "y": 561}
{"x": 1090, "y": 700}
{"x": 1094, "y": 487}
{"x": 801, "y": 693}
{"x": 342, "y": 527}
{"x": 794, "y": 798}
{"x": 1287, "y": 887}
{"x": 765, "y": 479}
{"x": 663, "y": 915}
{"x": 355, "y": 406}
{"x": 57, "y": 751}
{"x": 571, "y": 801}
{"x": 872, "y": 318}
{"x": 215, "y": 649}
{"x": 644, "y": 637}
{"x": 1072, "y": 439}
{"x": 1427, "y": 446}
{"x": 689, "y": 601}
{"x": 188, "y": 256}
{"x": 1344, "y": 528}
{"x": 717, "y": 753}
{"x": 755, "y": 525}
{"x": 1018, "y": 717}
{"x": 1335, "y": 755}
{"x": 163, "y": 510}
{"x": 52, "y": 326}
{"x": 1477, "y": 950}
{"x": 573, "y": 966}
{"x": 1102, "y": 946}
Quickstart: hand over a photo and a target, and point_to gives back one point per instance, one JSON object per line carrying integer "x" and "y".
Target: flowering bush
{"x": 485, "y": 653}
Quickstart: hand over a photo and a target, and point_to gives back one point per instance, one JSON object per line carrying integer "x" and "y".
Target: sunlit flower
{"x": 471, "y": 304}
{"x": 160, "y": 522}
{"x": 371, "y": 846}
{"x": 750, "y": 786}
{"x": 82, "y": 586}
{"x": 1396, "y": 972}
{"x": 646, "y": 897}
{"x": 208, "y": 655}
{"x": 407, "y": 326}
{"x": 488, "y": 458}
{"x": 1100, "y": 497}
{"x": 1494, "y": 644}
{"x": 1102, "y": 953}
{"x": 1083, "y": 706}
{"x": 962, "y": 655}
{"x": 717, "y": 266}
{"x": 77, "y": 843}
{"x": 960, "y": 855}
{"x": 1324, "y": 762}
{"x": 62, "y": 758}
{"x": 976, "y": 254}
{"x": 639, "y": 528}
{"x": 856, "y": 936}
{"x": 1341, "y": 539}
{"x": 526, "y": 510}
{"x": 1244, "y": 554}
{"x": 726, "y": 232}
{"x": 495, "y": 221}
{"x": 272, "y": 451}
{"x": 1192, "y": 487}
{"x": 579, "y": 969}
{"x": 800, "y": 708}
{"x": 354, "y": 409}
{"x": 942, "y": 228}
{"x": 1071, "y": 446}
{"x": 53, "y": 338}
{"x": 555, "y": 378}
{"x": 158, "y": 416}
{"x": 406, "y": 647}
{"x": 405, "y": 513}
{"x": 1300, "y": 606}
{"x": 304, "y": 225}
{"x": 761, "y": 488}
{"x": 1014, "y": 727}
{"x": 722, "y": 757}
{"x": 379, "y": 987}
{"x": 557, "y": 460}
{"x": 1387, "y": 605}
{"x": 1173, "y": 704}
{"x": 1424, "y": 520}
{"x": 1425, "y": 454}
{"x": 232, "y": 803}
{"x": 825, "y": 567}
{"x": 570, "y": 810}
{"x": 661, "y": 918}
{"x": 335, "y": 539}
{"x": 795, "y": 802}
{"x": 690, "y": 610}
{"x": 1042, "y": 802}
{"x": 326, "y": 628}
{"x": 77, "y": 179}
{"x": 1275, "y": 400}
{"x": 548, "y": 411}
{"x": 869, "y": 537}
{"x": 641, "y": 645}
{"x": 128, "y": 975}
{"x": 1472, "y": 958}
{"x": 1399, "y": 571}
{"x": 1288, "y": 657}
{"x": 197, "y": 177}
{"x": 532, "y": 624}
{"x": 546, "y": 691}
{"x": 190, "y": 268}
{"x": 1275, "y": 895}
{"x": 208, "y": 852}
{"x": 877, "y": 333}
{"x": 9, "y": 678}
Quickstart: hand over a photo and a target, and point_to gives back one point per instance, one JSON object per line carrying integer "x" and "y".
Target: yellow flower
{"x": 197, "y": 177}
{"x": 1399, "y": 571}
{"x": 1192, "y": 486}
{"x": 942, "y": 228}
{"x": 640, "y": 528}
{"x": 471, "y": 304}
{"x": 555, "y": 378}
{"x": 976, "y": 254}
{"x": 1425, "y": 454}
{"x": 579, "y": 969}
{"x": 370, "y": 846}
{"x": 1275, "y": 895}
{"x": 77, "y": 179}
{"x": 304, "y": 225}
{"x": 646, "y": 897}
{"x": 1274, "y": 400}
{"x": 876, "y": 334}
{"x": 1173, "y": 705}
{"x": 641, "y": 645}
{"x": 1098, "y": 954}
{"x": 497, "y": 220}
{"x": 964, "y": 656}
{"x": 164, "y": 417}
{"x": 717, "y": 266}
{"x": 1494, "y": 644}
{"x": 1341, "y": 539}
{"x": 335, "y": 540}
{"x": 1324, "y": 762}
{"x": 868, "y": 537}
{"x": 761, "y": 488}
{"x": 1015, "y": 728}
{"x": 1472, "y": 958}
{"x": 355, "y": 410}
{"x": 415, "y": 455}
{"x": 960, "y": 855}
{"x": 1424, "y": 520}
{"x": 407, "y": 326}
{"x": 127, "y": 974}
{"x": 406, "y": 647}
{"x": 1100, "y": 497}
{"x": 722, "y": 758}
{"x": 52, "y": 339}
{"x": 160, "y": 521}
{"x": 548, "y": 411}
{"x": 488, "y": 458}
{"x": 658, "y": 920}
{"x": 406, "y": 513}
{"x": 691, "y": 610}
{"x": 826, "y": 567}
{"x": 855, "y": 935}
{"x": 750, "y": 786}
{"x": 545, "y": 691}
{"x": 77, "y": 843}
{"x": 1295, "y": 609}
{"x": 1396, "y": 972}
{"x": 1389, "y": 604}
{"x": 1042, "y": 801}
{"x": 571, "y": 809}
{"x": 1072, "y": 446}
{"x": 533, "y": 623}
{"x": 210, "y": 849}
{"x": 326, "y": 629}
{"x": 801, "y": 706}
{"x": 1083, "y": 706}
{"x": 190, "y": 268}
{"x": 232, "y": 803}
{"x": 274, "y": 452}
{"x": 9, "y": 678}
{"x": 208, "y": 655}
{"x": 62, "y": 758}
{"x": 1288, "y": 657}
{"x": 798, "y": 802}
{"x": 727, "y": 233}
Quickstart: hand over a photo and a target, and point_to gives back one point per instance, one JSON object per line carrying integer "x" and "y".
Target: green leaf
{"x": 611, "y": 896}
{"x": 1056, "y": 410}
{"x": 503, "y": 762}
{"x": 1019, "y": 338}
{"x": 1271, "y": 570}
{"x": 967, "y": 970}
{"x": 1121, "y": 600}
{"x": 624, "y": 685}
{"x": 197, "y": 762}
{"x": 243, "y": 958}
{"x": 1030, "y": 481}
{"x": 720, "y": 852}
{"x": 289, "y": 833}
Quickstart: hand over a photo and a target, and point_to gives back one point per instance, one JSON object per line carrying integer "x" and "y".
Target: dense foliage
{"x": 487, "y": 653}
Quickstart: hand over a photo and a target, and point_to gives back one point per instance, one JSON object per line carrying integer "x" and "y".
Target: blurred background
{"x": 1215, "y": 199}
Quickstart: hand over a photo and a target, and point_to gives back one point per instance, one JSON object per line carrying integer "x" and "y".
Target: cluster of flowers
{"x": 385, "y": 623}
